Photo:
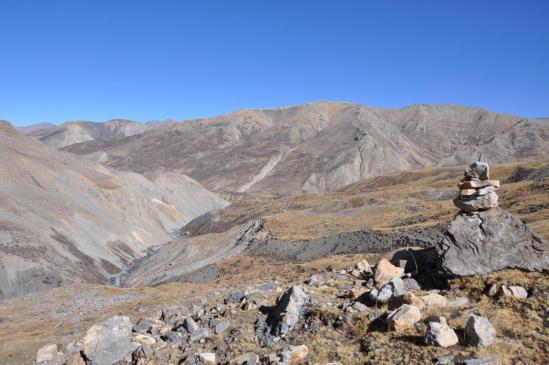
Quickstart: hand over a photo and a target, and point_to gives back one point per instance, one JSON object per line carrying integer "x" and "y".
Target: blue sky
{"x": 146, "y": 60}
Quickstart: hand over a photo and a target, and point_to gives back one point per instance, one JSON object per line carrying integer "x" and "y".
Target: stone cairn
{"x": 476, "y": 191}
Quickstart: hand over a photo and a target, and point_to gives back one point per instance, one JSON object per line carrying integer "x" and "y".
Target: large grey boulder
{"x": 289, "y": 308}
{"x": 108, "y": 342}
{"x": 489, "y": 241}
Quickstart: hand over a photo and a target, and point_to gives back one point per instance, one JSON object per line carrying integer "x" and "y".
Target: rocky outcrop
{"x": 490, "y": 241}
{"x": 108, "y": 342}
{"x": 289, "y": 308}
{"x": 483, "y": 238}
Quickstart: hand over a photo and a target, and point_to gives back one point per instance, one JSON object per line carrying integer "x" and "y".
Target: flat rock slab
{"x": 490, "y": 241}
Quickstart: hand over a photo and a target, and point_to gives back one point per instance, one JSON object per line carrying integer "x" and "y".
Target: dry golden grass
{"x": 403, "y": 199}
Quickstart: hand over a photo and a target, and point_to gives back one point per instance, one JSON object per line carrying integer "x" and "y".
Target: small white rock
{"x": 46, "y": 353}
{"x": 208, "y": 358}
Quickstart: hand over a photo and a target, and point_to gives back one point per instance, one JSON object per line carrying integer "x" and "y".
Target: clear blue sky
{"x": 157, "y": 59}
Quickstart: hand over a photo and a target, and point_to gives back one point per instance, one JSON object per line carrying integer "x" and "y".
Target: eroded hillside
{"x": 64, "y": 219}
{"x": 321, "y": 146}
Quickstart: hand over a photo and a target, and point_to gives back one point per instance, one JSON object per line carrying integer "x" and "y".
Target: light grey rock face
{"x": 490, "y": 241}
{"x": 392, "y": 289}
{"x": 190, "y": 325}
{"x": 109, "y": 342}
{"x": 486, "y": 190}
{"x": 478, "y": 170}
{"x": 441, "y": 335}
{"x": 383, "y": 294}
{"x": 222, "y": 326}
{"x": 479, "y": 332}
{"x": 288, "y": 310}
{"x": 475, "y": 203}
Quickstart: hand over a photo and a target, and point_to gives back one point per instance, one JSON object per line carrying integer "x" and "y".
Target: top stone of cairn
{"x": 477, "y": 193}
{"x": 477, "y": 171}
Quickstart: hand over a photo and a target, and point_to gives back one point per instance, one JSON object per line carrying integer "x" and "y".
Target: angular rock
{"x": 440, "y": 334}
{"x": 490, "y": 241}
{"x": 221, "y": 326}
{"x": 385, "y": 271}
{"x": 477, "y": 170}
{"x": 46, "y": 354}
{"x": 479, "y": 331}
{"x": 363, "y": 266}
{"x": 476, "y": 203}
{"x": 207, "y": 358}
{"x": 289, "y": 308}
{"x": 486, "y": 190}
{"x": 199, "y": 334}
{"x": 518, "y": 292}
{"x": 393, "y": 289}
{"x": 108, "y": 342}
{"x": 405, "y": 316}
{"x": 190, "y": 325}
{"x": 383, "y": 294}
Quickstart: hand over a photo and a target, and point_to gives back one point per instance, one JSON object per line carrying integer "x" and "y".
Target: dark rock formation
{"x": 489, "y": 241}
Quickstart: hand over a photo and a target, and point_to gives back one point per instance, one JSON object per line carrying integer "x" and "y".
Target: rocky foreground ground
{"x": 359, "y": 315}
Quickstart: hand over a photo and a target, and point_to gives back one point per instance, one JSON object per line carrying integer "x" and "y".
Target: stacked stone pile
{"x": 477, "y": 191}
{"x": 483, "y": 238}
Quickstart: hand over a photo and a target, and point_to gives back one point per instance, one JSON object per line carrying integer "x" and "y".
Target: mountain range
{"x": 308, "y": 148}
{"x": 82, "y": 201}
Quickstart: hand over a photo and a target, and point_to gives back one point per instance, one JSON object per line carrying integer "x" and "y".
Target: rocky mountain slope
{"x": 70, "y": 133}
{"x": 64, "y": 219}
{"x": 320, "y": 146}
